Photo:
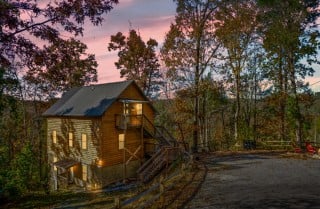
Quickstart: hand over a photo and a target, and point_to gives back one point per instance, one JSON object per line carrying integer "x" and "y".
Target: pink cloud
{"x": 314, "y": 83}
{"x": 151, "y": 17}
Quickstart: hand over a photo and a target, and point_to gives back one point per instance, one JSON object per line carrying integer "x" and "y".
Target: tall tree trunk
{"x": 255, "y": 106}
{"x": 205, "y": 122}
{"x": 196, "y": 122}
{"x": 297, "y": 112}
{"x": 282, "y": 97}
{"x": 186, "y": 146}
{"x": 237, "y": 112}
{"x": 224, "y": 128}
{"x": 197, "y": 99}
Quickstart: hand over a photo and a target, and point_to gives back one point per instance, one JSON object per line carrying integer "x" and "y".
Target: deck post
{"x": 55, "y": 177}
{"x": 142, "y": 148}
{"x": 117, "y": 202}
{"x": 124, "y": 142}
{"x": 161, "y": 189}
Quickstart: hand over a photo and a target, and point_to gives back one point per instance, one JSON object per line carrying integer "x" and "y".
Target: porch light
{"x": 99, "y": 162}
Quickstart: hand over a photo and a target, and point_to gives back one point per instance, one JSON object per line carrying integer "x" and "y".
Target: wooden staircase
{"x": 168, "y": 151}
{"x": 162, "y": 134}
{"x": 163, "y": 157}
{"x": 167, "y": 147}
{"x": 159, "y": 133}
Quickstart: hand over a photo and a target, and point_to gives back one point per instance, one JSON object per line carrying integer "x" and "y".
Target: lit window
{"x": 55, "y": 159}
{"x": 121, "y": 141}
{"x": 54, "y": 137}
{"x": 139, "y": 109}
{"x": 84, "y": 172}
{"x": 70, "y": 139}
{"x": 84, "y": 141}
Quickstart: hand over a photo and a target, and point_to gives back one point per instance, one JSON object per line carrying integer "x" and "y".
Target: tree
{"x": 212, "y": 100}
{"x": 21, "y": 177}
{"x": 290, "y": 39}
{"x": 236, "y": 30}
{"x": 24, "y": 23}
{"x": 137, "y": 61}
{"x": 189, "y": 50}
{"x": 253, "y": 85}
{"x": 58, "y": 68}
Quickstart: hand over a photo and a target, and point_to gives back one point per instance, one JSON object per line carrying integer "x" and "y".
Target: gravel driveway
{"x": 259, "y": 181}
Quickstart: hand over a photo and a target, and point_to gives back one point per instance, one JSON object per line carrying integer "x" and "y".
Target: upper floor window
{"x": 138, "y": 108}
{"x": 84, "y": 142}
{"x": 132, "y": 109}
{"x": 54, "y": 137}
{"x": 70, "y": 139}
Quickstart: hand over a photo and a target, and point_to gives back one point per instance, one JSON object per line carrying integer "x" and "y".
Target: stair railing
{"x": 148, "y": 125}
{"x": 164, "y": 156}
{"x": 150, "y": 167}
{"x": 163, "y": 132}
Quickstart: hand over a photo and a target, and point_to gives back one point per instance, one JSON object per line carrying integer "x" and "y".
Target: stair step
{"x": 155, "y": 164}
{"x": 152, "y": 166}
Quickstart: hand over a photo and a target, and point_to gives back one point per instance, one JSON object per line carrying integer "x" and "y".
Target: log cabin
{"x": 99, "y": 134}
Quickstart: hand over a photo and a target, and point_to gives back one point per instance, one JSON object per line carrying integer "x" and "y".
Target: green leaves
{"x": 20, "y": 174}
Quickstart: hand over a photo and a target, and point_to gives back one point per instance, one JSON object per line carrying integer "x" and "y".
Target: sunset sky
{"x": 151, "y": 18}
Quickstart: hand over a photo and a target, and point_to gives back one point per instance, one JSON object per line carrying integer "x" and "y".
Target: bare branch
{"x": 32, "y": 26}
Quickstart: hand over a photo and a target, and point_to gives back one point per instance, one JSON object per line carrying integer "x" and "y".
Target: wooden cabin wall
{"x": 133, "y": 93}
{"x": 110, "y": 153}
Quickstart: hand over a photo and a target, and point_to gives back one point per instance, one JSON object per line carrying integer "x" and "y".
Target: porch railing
{"x": 128, "y": 121}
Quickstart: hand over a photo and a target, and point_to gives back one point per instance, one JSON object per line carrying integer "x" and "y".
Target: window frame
{"x": 70, "y": 139}
{"x": 139, "y": 108}
{"x": 84, "y": 141}
{"x": 54, "y": 136}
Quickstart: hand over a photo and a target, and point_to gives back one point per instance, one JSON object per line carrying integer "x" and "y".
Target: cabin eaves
{"x": 88, "y": 101}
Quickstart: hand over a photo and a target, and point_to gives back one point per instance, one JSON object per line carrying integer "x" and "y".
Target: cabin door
{"x": 134, "y": 113}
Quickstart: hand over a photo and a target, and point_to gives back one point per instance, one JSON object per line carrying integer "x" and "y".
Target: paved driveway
{"x": 259, "y": 181}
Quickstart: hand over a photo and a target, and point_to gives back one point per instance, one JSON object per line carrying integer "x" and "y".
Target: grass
{"x": 69, "y": 199}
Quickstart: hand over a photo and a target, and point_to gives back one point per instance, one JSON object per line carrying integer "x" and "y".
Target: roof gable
{"x": 90, "y": 101}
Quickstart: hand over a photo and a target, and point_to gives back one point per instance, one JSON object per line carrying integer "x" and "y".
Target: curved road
{"x": 259, "y": 181}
